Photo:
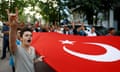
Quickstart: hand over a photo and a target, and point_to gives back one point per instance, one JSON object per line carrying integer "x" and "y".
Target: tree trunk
{"x": 90, "y": 17}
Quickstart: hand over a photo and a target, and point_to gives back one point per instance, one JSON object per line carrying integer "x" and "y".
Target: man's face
{"x": 113, "y": 32}
{"x": 26, "y": 38}
{"x": 18, "y": 34}
{"x": 93, "y": 29}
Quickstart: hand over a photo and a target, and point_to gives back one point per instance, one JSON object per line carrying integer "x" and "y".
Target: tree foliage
{"x": 50, "y": 10}
{"x": 91, "y": 7}
{"x": 11, "y": 4}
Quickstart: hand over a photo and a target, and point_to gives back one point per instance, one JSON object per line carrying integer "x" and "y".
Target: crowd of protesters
{"x": 71, "y": 30}
{"x": 62, "y": 29}
{"x": 38, "y": 27}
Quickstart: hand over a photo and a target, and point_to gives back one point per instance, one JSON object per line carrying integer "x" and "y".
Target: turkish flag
{"x": 69, "y": 53}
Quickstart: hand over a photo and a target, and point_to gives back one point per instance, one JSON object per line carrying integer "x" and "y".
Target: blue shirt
{"x": 18, "y": 42}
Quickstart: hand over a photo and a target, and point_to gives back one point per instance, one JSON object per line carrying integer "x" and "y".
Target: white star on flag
{"x": 67, "y": 42}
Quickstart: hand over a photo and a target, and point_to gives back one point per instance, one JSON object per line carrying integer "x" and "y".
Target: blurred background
{"x": 93, "y": 12}
{"x": 60, "y": 16}
{"x": 100, "y": 13}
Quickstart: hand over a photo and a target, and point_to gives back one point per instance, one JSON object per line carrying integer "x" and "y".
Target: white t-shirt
{"x": 91, "y": 34}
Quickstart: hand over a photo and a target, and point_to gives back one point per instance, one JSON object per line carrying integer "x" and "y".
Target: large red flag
{"x": 68, "y": 53}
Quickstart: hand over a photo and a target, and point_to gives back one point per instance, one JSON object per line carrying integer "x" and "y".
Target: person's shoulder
{"x": 31, "y": 47}
{"x": 108, "y": 34}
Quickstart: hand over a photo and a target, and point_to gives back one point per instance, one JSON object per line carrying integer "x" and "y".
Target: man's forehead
{"x": 27, "y": 32}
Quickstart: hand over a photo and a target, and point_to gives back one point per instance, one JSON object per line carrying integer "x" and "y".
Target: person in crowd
{"x": 74, "y": 30}
{"x": 52, "y": 28}
{"x": 18, "y": 42}
{"x": 59, "y": 30}
{"x": 81, "y": 30}
{"x": 45, "y": 28}
{"x": 92, "y": 32}
{"x": 24, "y": 54}
{"x": 111, "y": 32}
{"x": 37, "y": 27}
{"x": 66, "y": 30}
{"x": 5, "y": 31}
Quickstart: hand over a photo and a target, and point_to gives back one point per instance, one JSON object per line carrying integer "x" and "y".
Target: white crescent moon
{"x": 112, "y": 54}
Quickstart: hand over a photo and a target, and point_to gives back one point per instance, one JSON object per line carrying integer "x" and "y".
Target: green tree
{"x": 51, "y": 10}
{"x": 91, "y": 7}
{"x": 48, "y": 10}
{"x": 11, "y": 4}
{"x": 3, "y": 6}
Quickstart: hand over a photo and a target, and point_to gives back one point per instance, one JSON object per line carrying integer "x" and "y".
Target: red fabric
{"x": 50, "y": 46}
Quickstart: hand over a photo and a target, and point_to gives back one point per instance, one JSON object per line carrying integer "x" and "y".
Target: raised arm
{"x": 8, "y": 15}
{"x": 13, "y": 21}
{"x": 73, "y": 25}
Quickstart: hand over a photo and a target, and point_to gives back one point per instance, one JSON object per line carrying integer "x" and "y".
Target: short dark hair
{"x": 24, "y": 30}
{"x": 18, "y": 29}
{"x": 110, "y": 29}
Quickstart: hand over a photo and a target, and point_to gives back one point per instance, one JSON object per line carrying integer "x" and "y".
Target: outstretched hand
{"x": 41, "y": 58}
